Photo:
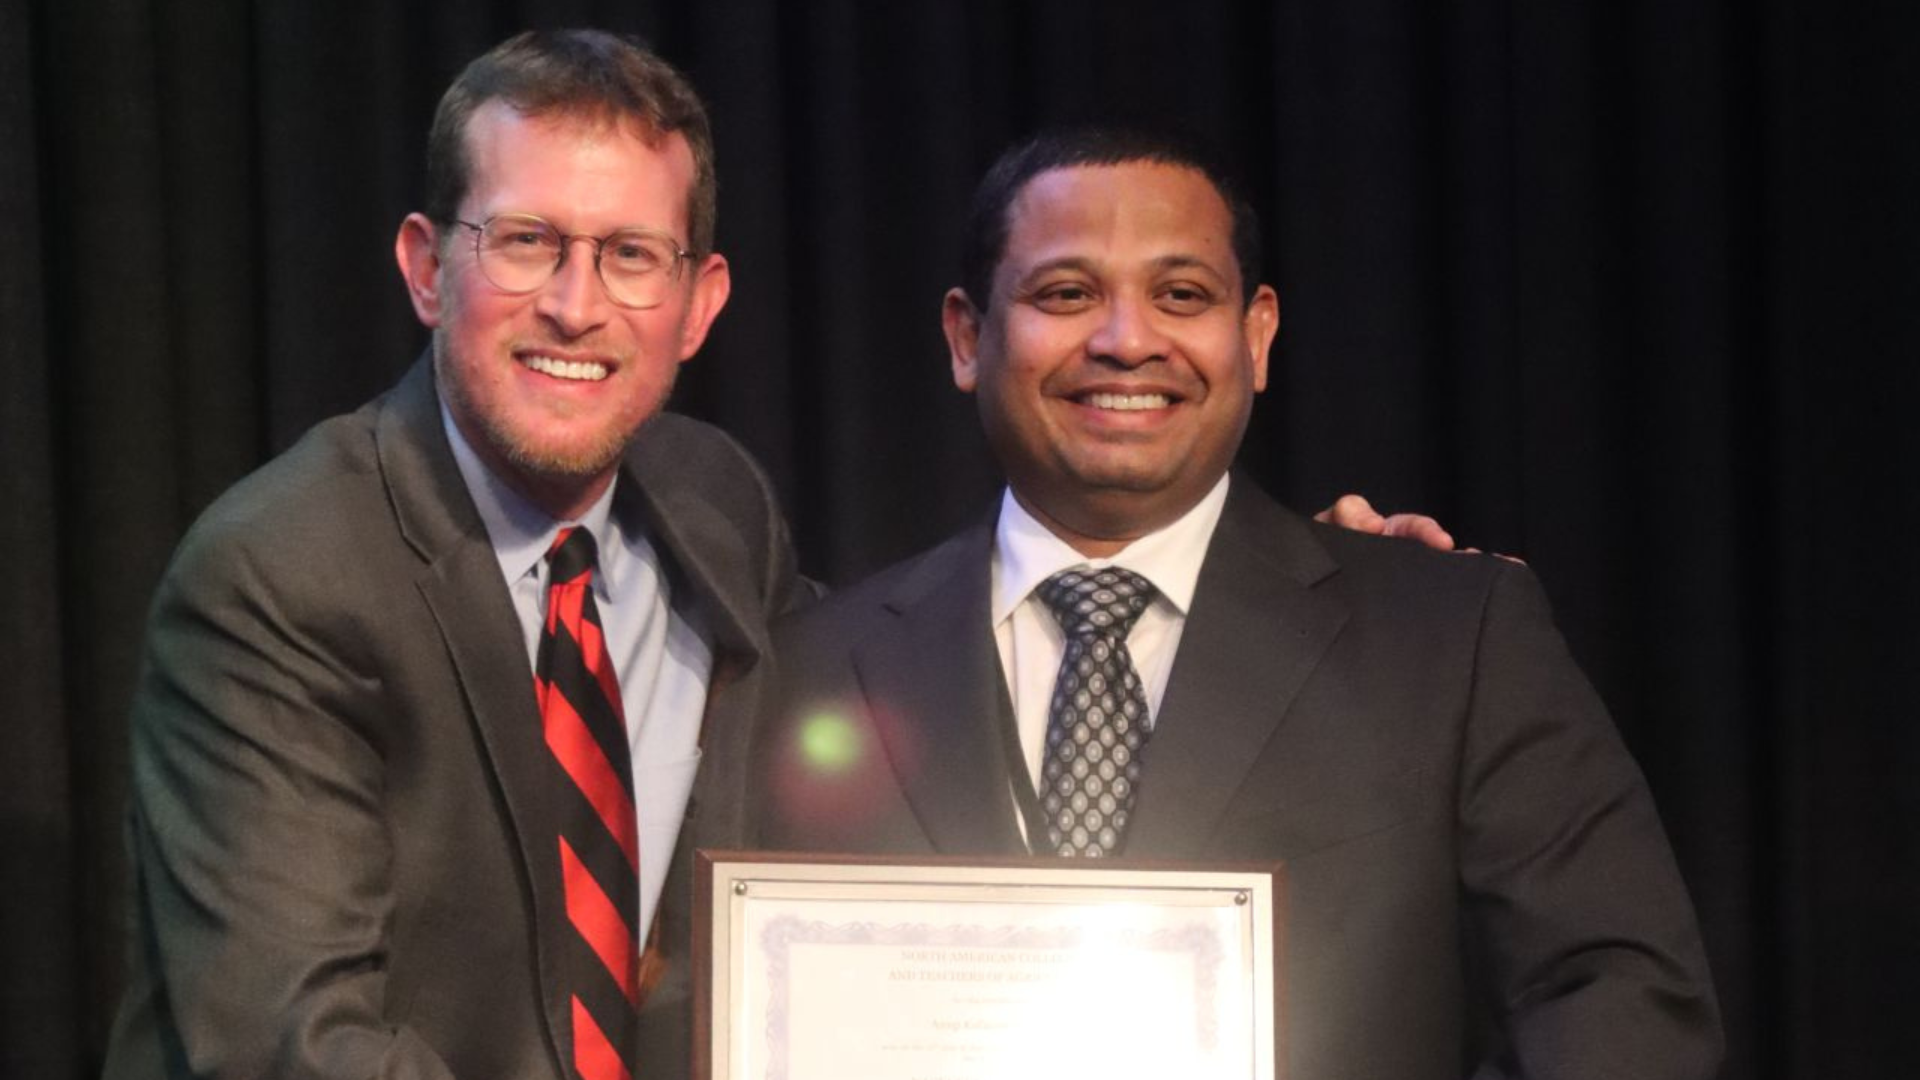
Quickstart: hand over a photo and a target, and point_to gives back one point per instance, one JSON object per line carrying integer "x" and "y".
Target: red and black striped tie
{"x": 582, "y": 719}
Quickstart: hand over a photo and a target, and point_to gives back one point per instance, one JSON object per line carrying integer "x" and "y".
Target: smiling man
{"x": 1139, "y": 654}
{"x": 1117, "y": 371}
{"x": 437, "y": 703}
{"x": 552, "y": 348}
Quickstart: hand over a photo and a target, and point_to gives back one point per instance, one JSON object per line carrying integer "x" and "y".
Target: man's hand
{"x": 1356, "y": 513}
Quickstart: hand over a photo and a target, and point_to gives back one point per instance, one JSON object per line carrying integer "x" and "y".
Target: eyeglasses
{"x": 519, "y": 253}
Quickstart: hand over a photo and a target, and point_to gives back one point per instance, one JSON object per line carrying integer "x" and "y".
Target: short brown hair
{"x": 593, "y": 74}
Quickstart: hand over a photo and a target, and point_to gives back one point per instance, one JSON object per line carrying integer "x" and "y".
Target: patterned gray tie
{"x": 1097, "y": 721}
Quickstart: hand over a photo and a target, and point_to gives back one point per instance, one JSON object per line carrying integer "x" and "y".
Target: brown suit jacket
{"x": 339, "y": 829}
{"x": 1477, "y": 880}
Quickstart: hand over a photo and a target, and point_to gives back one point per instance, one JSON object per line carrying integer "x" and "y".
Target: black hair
{"x": 1065, "y": 148}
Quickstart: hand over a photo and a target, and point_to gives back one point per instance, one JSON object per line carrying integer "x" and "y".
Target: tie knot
{"x": 571, "y": 555}
{"x": 1096, "y": 601}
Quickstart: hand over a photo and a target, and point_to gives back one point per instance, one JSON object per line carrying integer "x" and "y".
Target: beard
{"x": 550, "y": 460}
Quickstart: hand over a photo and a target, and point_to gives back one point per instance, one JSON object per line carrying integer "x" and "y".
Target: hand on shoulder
{"x": 1352, "y": 511}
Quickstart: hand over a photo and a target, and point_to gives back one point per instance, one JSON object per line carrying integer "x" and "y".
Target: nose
{"x": 573, "y": 299}
{"x": 1129, "y": 334}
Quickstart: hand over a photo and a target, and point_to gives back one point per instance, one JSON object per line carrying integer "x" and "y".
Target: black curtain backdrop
{"x": 1627, "y": 288}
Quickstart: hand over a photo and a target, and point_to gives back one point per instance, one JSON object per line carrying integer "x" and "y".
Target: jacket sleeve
{"x": 263, "y": 889}
{"x": 1571, "y": 895}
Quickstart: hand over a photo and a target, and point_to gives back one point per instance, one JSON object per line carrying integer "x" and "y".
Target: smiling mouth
{"x": 573, "y": 370}
{"x": 1126, "y": 402}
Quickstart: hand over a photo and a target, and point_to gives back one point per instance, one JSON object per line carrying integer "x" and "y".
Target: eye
{"x": 635, "y": 253}
{"x": 1064, "y": 297}
{"x": 1185, "y": 297}
{"x": 521, "y": 238}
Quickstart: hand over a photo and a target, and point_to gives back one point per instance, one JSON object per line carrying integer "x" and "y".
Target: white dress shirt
{"x": 662, "y": 658}
{"x": 1029, "y": 638}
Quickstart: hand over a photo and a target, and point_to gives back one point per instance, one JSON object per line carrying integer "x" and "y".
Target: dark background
{"x": 1627, "y": 288}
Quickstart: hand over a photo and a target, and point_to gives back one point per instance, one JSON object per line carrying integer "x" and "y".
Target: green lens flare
{"x": 828, "y": 743}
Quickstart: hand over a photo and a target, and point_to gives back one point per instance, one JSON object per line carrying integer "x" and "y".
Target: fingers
{"x": 1353, "y": 512}
{"x": 1514, "y": 559}
{"x": 1418, "y": 527}
{"x": 1356, "y": 513}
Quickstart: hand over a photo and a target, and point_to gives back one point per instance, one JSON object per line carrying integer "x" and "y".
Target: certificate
{"x": 832, "y": 968}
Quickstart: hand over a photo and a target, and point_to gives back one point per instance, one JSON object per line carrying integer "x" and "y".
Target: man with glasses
{"x": 378, "y": 828}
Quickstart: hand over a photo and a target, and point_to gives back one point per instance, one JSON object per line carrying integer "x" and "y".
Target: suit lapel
{"x": 697, "y": 546}
{"x": 932, "y": 679}
{"x": 1256, "y": 630}
{"x": 479, "y": 630}
{"x": 701, "y": 543}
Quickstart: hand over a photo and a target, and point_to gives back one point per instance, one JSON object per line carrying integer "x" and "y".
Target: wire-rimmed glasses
{"x": 519, "y": 253}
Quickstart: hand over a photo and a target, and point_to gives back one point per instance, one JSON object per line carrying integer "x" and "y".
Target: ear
{"x": 961, "y": 321}
{"x": 1260, "y": 324}
{"x": 712, "y": 284}
{"x": 417, "y": 250}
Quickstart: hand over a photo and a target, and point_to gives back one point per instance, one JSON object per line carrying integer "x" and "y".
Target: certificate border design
{"x": 732, "y": 1014}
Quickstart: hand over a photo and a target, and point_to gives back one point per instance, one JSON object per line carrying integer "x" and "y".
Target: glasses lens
{"x": 517, "y": 253}
{"x": 638, "y": 266}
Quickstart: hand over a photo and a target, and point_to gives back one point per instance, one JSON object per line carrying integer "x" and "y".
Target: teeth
{"x": 1128, "y": 402}
{"x": 563, "y": 369}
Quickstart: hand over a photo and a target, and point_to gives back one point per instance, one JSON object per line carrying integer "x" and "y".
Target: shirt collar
{"x": 521, "y": 532}
{"x": 1026, "y": 553}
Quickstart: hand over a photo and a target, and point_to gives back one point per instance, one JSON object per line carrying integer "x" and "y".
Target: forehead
{"x": 583, "y": 172}
{"x": 1135, "y": 212}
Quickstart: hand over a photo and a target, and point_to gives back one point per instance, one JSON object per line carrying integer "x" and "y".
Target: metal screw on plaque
{"x": 739, "y": 888}
{"x": 1240, "y": 898}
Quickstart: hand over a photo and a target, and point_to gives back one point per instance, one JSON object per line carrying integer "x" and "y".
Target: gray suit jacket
{"x": 1477, "y": 883}
{"x": 340, "y": 831}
